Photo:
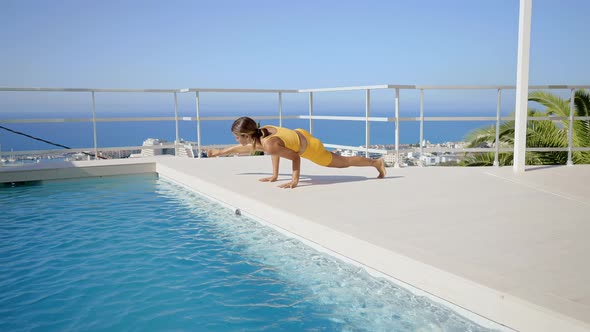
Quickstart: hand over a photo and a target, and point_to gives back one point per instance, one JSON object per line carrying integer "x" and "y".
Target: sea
{"x": 119, "y": 134}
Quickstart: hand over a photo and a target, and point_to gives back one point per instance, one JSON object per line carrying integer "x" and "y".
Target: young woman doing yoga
{"x": 289, "y": 144}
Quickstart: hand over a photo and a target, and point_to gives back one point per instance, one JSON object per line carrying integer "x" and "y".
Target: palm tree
{"x": 557, "y": 106}
{"x": 544, "y": 133}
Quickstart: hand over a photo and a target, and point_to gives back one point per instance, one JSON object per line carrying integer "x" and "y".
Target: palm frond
{"x": 481, "y": 136}
{"x": 554, "y": 105}
{"x": 582, "y": 102}
{"x": 478, "y": 159}
{"x": 543, "y": 133}
{"x": 582, "y": 127}
{"x": 486, "y": 159}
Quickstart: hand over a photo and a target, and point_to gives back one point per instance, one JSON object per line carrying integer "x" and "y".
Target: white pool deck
{"x": 512, "y": 248}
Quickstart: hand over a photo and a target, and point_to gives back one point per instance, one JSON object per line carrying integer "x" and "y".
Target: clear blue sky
{"x": 287, "y": 44}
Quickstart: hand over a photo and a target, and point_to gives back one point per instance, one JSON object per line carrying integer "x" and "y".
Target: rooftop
{"x": 509, "y": 247}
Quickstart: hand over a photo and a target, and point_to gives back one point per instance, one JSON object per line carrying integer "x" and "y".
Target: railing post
{"x": 311, "y": 113}
{"x": 397, "y": 164}
{"x": 177, "y": 141}
{"x": 94, "y": 126}
{"x": 497, "y": 151}
{"x": 421, "y": 125}
{"x": 570, "y": 131}
{"x": 367, "y": 128}
{"x": 198, "y": 102}
{"x": 522, "y": 85}
{"x": 280, "y": 109}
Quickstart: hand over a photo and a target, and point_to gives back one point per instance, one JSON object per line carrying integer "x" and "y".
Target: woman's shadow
{"x": 306, "y": 180}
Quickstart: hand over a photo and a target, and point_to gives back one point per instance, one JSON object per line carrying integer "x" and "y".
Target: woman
{"x": 290, "y": 144}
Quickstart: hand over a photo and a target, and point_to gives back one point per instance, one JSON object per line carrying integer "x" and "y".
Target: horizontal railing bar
{"x": 558, "y": 149}
{"x": 89, "y": 150}
{"x": 353, "y": 88}
{"x": 401, "y": 86}
{"x": 501, "y": 149}
{"x": 87, "y": 90}
{"x": 392, "y": 119}
{"x": 495, "y": 87}
{"x": 146, "y": 90}
{"x": 456, "y": 150}
{"x": 441, "y": 149}
{"x": 345, "y": 118}
{"x": 545, "y": 118}
{"x": 255, "y": 117}
{"x": 457, "y": 118}
{"x": 449, "y": 118}
{"x": 464, "y": 87}
{"x": 416, "y": 149}
{"x": 230, "y": 118}
{"x": 45, "y": 120}
{"x": 166, "y": 118}
{"x": 559, "y": 87}
{"x": 238, "y": 90}
{"x": 511, "y": 150}
{"x": 147, "y": 147}
{"x": 555, "y": 149}
{"x": 355, "y": 148}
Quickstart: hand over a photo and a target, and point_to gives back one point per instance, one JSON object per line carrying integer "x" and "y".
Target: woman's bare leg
{"x": 343, "y": 162}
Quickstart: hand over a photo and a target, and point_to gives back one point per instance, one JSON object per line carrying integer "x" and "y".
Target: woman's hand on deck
{"x": 289, "y": 185}
{"x": 269, "y": 179}
{"x": 213, "y": 152}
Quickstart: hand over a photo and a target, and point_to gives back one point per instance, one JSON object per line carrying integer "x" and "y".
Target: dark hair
{"x": 247, "y": 126}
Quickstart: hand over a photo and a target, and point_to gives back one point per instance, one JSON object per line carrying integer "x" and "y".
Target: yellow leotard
{"x": 315, "y": 151}
{"x": 287, "y": 136}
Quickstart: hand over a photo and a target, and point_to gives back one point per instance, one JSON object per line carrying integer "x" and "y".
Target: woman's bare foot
{"x": 380, "y": 166}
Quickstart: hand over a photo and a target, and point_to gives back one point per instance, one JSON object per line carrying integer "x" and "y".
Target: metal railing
{"x": 368, "y": 119}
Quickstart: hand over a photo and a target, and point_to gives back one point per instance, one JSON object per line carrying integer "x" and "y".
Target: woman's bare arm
{"x": 275, "y": 169}
{"x": 275, "y": 148}
{"x": 235, "y": 149}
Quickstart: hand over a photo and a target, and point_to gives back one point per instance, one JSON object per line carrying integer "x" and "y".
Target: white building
{"x": 429, "y": 160}
{"x": 449, "y": 158}
{"x": 389, "y": 159}
{"x": 184, "y": 150}
{"x": 348, "y": 153}
{"x": 152, "y": 152}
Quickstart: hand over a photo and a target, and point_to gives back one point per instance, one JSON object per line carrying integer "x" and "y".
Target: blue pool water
{"x": 138, "y": 253}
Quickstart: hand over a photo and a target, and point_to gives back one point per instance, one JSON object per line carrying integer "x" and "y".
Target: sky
{"x": 287, "y": 44}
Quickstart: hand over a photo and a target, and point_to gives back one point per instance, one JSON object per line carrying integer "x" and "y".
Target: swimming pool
{"x": 141, "y": 253}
